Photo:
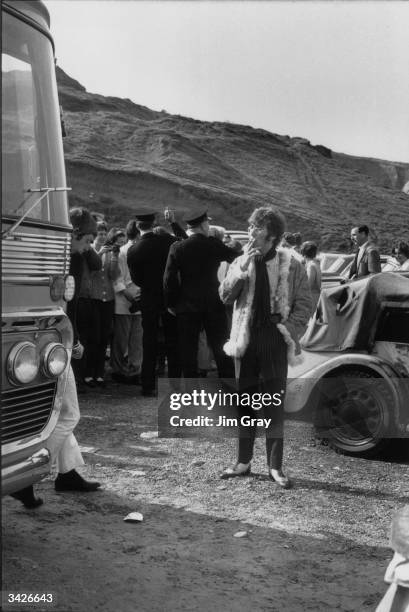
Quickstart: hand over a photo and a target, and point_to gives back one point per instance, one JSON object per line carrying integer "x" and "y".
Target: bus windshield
{"x": 32, "y": 154}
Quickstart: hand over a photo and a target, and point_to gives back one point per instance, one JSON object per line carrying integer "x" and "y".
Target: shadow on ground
{"x": 79, "y": 548}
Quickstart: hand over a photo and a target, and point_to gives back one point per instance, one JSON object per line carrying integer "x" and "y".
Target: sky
{"x": 334, "y": 72}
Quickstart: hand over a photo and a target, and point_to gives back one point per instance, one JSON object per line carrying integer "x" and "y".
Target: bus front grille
{"x": 34, "y": 255}
{"x": 26, "y": 411}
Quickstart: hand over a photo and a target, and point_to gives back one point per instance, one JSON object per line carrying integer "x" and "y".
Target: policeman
{"x": 146, "y": 262}
{"x": 191, "y": 291}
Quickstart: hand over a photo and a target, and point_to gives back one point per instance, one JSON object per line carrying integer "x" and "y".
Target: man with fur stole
{"x": 272, "y": 304}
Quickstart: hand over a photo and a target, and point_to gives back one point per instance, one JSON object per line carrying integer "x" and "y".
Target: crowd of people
{"x": 156, "y": 298}
{"x": 130, "y": 300}
{"x": 156, "y": 295}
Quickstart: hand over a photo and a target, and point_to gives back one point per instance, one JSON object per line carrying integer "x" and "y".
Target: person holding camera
{"x": 103, "y": 306}
{"x": 126, "y": 347}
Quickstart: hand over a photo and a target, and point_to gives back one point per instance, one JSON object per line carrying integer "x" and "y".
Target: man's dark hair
{"x": 402, "y": 248}
{"x": 309, "y": 249}
{"x": 144, "y": 225}
{"x": 363, "y": 229}
{"x": 271, "y": 218}
{"x": 132, "y": 230}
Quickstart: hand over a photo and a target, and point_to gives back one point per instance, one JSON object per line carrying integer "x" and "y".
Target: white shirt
{"x": 123, "y": 282}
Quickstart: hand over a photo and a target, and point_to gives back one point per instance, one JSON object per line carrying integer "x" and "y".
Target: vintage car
{"x": 241, "y": 235}
{"x": 354, "y": 377}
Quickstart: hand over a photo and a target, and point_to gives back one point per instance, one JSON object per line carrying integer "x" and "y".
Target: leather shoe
{"x": 234, "y": 473}
{"x": 280, "y": 478}
{"x": 26, "y": 496}
{"x": 72, "y": 481}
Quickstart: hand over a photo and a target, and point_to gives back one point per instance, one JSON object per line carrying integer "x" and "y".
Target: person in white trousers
{"x": 62, "y": 444}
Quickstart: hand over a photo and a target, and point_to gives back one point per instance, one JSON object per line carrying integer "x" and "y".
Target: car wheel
{"x": 355, "y": 412}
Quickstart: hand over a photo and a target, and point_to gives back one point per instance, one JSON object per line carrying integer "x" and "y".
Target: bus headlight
{"x": 69, "y": 288}
{"x": 54, "y": 359}
{"x": 23, "y": 363}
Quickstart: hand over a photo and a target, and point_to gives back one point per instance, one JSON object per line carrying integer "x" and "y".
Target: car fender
{"x": 301, "y": 385}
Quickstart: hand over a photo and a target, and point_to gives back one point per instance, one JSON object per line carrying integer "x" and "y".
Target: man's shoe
{"x": 234, "y": 472}
{"x": 89, "y": 382}
{"x": 26, "y": 496}
{"x": 72, "y": 481}
{"x": 280, "y": 478}
{"x": 100, "y": 382}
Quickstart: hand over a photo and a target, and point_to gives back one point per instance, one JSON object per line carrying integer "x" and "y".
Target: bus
{"x": 36, "y": 238}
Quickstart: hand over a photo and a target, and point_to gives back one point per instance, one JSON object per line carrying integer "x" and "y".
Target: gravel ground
{"x": 322, "y": 545}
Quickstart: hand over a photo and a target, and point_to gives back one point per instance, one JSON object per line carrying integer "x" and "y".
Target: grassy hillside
{"x": 121, "y": 155}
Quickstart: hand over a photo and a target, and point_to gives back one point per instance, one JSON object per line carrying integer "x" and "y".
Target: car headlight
{"x": 54, "y": 359}
{"x": 23, "y": 363}
{"x": 69, "y": 288}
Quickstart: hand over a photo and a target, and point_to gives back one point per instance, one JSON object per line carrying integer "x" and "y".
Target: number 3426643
{"x": 29, "y": 598}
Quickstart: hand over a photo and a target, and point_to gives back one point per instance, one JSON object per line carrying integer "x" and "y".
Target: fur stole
{"x": 240, "y": 332}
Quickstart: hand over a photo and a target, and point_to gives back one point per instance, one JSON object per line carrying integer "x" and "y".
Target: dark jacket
{"x": 190, "y": 281}
{"x": 147, "y": 261}
{"x": 368, "y": 263}
{"x": 90, "y": 261}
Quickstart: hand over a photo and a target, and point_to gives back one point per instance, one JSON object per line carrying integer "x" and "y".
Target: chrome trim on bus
{"x": 27, "y": 280}
{"x": 40, "y": 224}
{"x": 25, "y": 255}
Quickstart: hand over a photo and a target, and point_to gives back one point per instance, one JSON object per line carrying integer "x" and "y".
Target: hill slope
{"x": 121, "y": 155}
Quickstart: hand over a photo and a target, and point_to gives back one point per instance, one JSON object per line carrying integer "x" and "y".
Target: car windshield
{"x": 32, "y": 155}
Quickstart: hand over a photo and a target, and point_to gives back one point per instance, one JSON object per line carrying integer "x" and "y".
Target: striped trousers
{"x": 263, "y": 370}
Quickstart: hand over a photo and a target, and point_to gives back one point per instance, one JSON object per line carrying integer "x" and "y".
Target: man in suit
{"x": 146, "y": 262}
{"x": 367, "y": 259}
{"x": 191, "y": 291}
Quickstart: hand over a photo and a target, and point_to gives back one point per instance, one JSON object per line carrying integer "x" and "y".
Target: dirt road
{"x": 321, "y": 546}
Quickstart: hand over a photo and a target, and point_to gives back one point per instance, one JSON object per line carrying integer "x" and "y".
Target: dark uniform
{"x": 191, "y": 289}
{"x": 146, "y": 262}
